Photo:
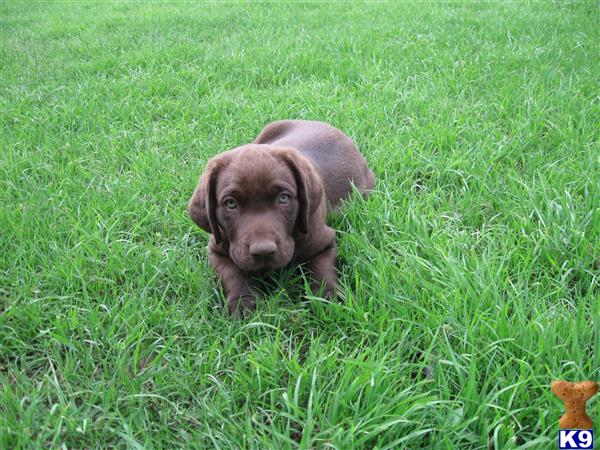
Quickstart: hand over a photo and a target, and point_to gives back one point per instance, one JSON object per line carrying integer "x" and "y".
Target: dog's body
{"x": 331, "y": 152}
{"x": 265, "y": 204}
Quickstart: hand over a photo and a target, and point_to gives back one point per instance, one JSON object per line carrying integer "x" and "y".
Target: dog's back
{"x": 333, "y": 154}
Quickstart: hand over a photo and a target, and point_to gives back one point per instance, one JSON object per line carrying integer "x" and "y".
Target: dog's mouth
{"x": 261, "y": 266}
{"x": 249, "y": 263}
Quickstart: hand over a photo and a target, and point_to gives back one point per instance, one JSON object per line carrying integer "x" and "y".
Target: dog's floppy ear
{"x": 203, "y": 204}
{"x": 308, "y": 184}
{"x": 197, "y": 206}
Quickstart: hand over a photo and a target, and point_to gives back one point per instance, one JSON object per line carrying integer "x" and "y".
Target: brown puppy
{"x": 265, "y": 204}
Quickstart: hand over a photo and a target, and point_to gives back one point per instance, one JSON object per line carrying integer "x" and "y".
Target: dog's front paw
{"x": 331, "y": 291}
{"x": 326, "y": 288}
{"x": 241, "y": 306}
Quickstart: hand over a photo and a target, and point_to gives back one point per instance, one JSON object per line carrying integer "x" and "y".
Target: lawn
{"x": 470, "y": 276}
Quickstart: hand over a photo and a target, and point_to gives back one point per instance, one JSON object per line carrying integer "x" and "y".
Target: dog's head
{"x": 257, "y": 199}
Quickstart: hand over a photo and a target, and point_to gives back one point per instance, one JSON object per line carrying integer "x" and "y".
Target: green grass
{"x": 470, "y": 275}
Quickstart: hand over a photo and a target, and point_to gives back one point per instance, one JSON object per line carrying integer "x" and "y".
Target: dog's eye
{"x": 230, "y": 203}
{"x": 284, "y": 198}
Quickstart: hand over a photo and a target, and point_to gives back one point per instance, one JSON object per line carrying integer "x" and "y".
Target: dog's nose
{"x": 263, "y": 249}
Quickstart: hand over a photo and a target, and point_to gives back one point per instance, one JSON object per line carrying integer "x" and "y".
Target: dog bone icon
{"x": 574, "y": 396}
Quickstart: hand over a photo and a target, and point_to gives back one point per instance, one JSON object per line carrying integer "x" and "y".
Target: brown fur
{"x": 265, "y": 204}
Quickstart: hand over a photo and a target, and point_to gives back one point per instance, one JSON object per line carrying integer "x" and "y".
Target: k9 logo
{"x": 568, "y": 439}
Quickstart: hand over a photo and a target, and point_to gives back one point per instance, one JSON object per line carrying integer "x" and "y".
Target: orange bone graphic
{"x": 574, "y": 396}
